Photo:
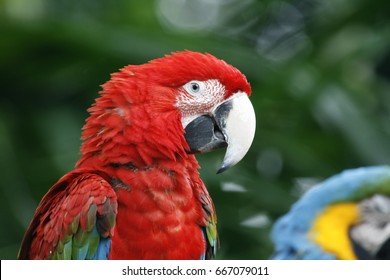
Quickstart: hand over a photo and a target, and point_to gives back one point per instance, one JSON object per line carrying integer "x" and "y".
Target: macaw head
{"x": 345, "y": 217}
{"x": 186, "y": 101}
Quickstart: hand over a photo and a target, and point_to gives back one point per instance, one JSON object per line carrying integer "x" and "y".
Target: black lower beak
{"x": 204, "y": 135}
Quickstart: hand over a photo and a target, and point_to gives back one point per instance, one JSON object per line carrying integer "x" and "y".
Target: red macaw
{"x": 136, "y": 192}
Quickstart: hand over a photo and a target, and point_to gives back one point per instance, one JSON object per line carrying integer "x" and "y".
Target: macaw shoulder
{"x": 74, "y": 219}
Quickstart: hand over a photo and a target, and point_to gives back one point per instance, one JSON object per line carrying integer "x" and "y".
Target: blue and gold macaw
{"x": 345, "y": 217}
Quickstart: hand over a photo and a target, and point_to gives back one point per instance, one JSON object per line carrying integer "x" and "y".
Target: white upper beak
{"x": 238, "y": 128}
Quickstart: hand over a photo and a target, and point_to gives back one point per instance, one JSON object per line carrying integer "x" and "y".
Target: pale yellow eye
{"x": 194, "y": 87}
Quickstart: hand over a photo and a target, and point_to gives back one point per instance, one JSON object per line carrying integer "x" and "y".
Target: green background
{"x": 319, "y": 72}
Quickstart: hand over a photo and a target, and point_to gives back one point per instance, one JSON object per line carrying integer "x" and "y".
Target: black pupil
{"x": 195, "y": 87}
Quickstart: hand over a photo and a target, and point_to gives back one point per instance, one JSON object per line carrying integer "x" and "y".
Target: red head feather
{"x": 137, "y": 106}
{"x": 181, "y": 67}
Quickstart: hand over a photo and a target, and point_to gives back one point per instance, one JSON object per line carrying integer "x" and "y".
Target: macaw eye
{"x": 194, "y": 87}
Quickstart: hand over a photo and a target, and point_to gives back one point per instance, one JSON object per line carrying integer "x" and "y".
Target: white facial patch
{"x": 199, "y": 98}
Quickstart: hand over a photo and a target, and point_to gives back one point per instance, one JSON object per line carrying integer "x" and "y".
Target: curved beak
{"x": 232, "y": 123}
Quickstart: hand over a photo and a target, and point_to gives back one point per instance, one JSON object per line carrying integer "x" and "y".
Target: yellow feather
{"x": 330, "y": 229}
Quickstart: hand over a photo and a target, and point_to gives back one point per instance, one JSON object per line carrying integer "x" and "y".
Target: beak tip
{"x": 223, "y": 168}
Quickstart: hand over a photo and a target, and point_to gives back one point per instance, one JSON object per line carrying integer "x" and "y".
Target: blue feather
{"x": 290, "y": 231}
{"x": 103, "y": 249}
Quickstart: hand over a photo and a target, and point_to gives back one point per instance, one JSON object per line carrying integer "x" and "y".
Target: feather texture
{"x": 72, "y": 220}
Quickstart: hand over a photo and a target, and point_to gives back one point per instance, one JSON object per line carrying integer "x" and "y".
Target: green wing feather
{"x": 210, "y": 227}
{"x": 72, "y": 219}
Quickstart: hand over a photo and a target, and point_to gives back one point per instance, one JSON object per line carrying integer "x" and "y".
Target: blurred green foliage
{"x": 319, "y": 71}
